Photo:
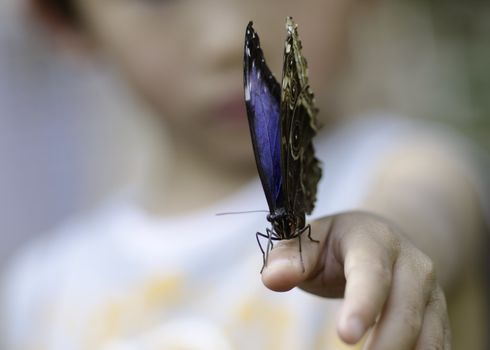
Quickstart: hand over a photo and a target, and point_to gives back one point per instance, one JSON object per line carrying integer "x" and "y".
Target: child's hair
{"x": 57, "y": 11}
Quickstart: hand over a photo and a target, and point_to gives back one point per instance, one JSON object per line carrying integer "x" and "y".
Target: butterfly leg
{"x": 270, "y": 244}
{"x": 299, "y": 234}
{"x": 301, "y": 254}
{"x": 308, "y": 227}
{"x": 257, "y": 235}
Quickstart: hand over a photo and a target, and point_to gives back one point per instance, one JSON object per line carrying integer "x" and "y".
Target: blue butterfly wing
{"x": 262, "y": 98}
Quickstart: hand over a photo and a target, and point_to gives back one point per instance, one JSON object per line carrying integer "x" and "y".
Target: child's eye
{"x": 156, "y": 6}
{"x": 156, "y": 2}
{"x": 152, "y": 2}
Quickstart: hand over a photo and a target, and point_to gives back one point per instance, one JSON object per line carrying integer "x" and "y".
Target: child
{"x": 397, "y": 217}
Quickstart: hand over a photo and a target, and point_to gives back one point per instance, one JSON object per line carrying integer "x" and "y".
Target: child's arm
{"x": 421, "y": 216}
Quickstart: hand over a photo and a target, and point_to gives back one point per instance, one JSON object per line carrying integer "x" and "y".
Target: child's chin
{"x": 236, "y": 155}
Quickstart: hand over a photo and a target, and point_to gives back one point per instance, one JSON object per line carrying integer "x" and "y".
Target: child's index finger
{"x": 287, "y": 266}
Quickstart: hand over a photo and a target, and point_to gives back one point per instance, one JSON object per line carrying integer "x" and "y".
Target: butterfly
{"x": 282, "y": 120}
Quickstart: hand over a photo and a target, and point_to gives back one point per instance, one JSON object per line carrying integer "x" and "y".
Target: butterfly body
{"x": 282, "y": 119}
{"x": 285, "y": 225}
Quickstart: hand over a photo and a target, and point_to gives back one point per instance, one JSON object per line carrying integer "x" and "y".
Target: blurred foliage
{"x": 466, "y": 24}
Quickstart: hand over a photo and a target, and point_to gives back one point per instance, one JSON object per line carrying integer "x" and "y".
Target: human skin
{"x": 392, "y": 261}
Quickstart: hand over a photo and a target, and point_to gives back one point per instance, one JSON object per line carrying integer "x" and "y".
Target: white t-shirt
{"x": 120, "y": 279}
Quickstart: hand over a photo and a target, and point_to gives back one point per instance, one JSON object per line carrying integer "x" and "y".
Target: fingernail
{"x": 356, "y": 328}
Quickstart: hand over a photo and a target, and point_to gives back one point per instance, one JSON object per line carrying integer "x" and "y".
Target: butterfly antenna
{"x": 242, "y": 212}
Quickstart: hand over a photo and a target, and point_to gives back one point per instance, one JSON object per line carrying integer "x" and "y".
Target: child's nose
{"x": 219, "y": 44}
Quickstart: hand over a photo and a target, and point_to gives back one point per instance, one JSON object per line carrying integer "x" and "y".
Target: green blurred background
{"x": 465, "y": 25}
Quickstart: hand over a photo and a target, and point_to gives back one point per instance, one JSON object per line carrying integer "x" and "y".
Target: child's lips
{"x": 230, "y": 111}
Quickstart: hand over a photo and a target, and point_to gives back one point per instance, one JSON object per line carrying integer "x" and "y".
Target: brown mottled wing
{"x": 301, "y": 169}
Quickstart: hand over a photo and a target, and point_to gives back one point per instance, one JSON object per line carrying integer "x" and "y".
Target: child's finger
{"x": 435, "y": 332}
{"x": 285, "y": 264}
{"x": 402, "y": 318}
{"x": 368, "y": 270}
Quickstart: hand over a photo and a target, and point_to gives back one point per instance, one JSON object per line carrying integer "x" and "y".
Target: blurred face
{"x": 184, "y": 57}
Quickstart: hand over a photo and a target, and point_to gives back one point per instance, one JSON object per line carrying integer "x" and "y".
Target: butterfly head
{"x": 286, "y": 225}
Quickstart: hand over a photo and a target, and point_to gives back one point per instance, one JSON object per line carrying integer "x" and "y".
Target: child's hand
{"x": 387, "y": 283}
